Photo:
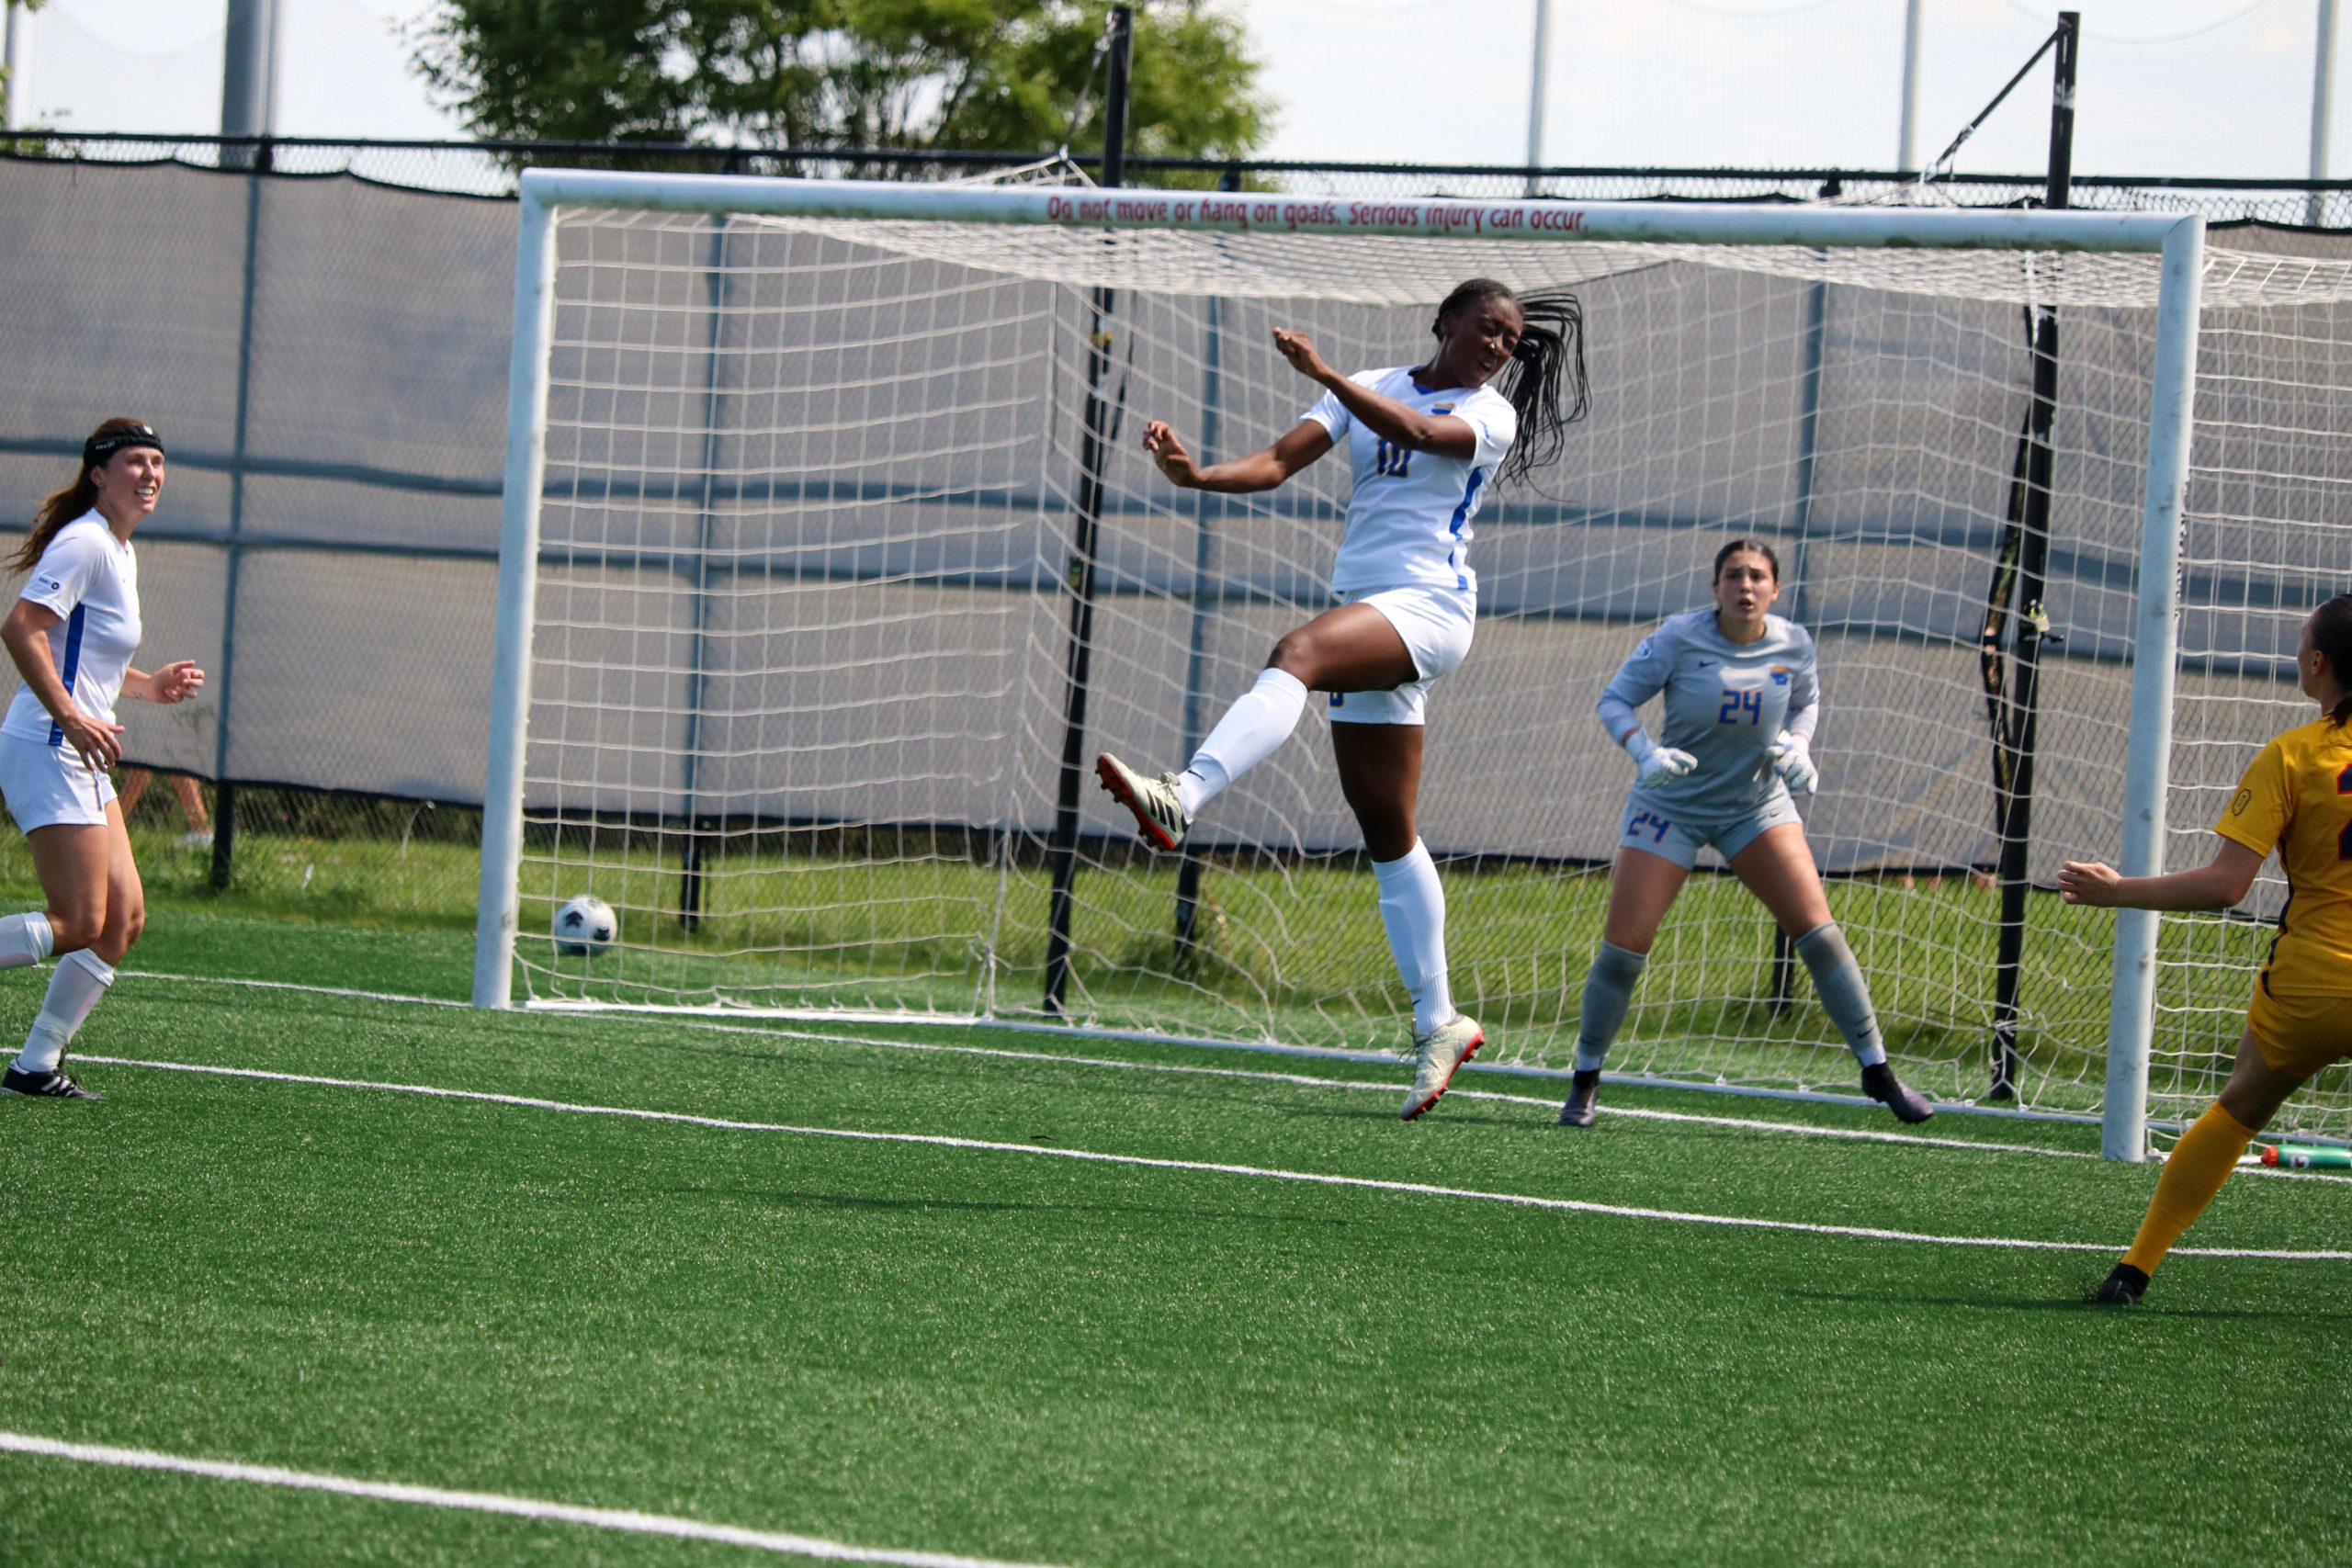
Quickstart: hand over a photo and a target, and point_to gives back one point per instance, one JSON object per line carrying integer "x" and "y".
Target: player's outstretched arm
{"x": 1444, "y": 434}
{"x": 1260, "y": 470}
{"x": 2220, "y": 883}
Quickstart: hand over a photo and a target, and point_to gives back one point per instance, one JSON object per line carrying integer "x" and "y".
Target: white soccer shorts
{"x": 1436, "y": 623}
{"x": 45, "y": 785}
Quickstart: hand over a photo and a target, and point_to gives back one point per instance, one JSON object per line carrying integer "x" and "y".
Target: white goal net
{"x": 832, "y": 487}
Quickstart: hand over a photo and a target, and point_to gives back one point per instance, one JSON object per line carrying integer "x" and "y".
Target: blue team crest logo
{"x": 1780, "y": 675}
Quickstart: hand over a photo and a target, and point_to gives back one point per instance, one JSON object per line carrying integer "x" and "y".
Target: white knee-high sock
{"x": 1247, "y": 735}
{"x": 82, "y": 977}
{"x": 1412, "y": 906}
{"x": 24, "y": 939}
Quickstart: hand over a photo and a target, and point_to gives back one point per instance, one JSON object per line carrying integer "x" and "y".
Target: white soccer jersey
{"x": 91, "y": 579}
{"x": 1408, "y": 518}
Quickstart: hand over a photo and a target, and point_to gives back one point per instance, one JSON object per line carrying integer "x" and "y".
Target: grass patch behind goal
{"x": 799, "y": 927}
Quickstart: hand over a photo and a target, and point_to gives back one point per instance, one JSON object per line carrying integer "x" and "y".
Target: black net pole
{"x": 2020, "y": 712}
{"x": 1085, "y": 541}
{"x": 692, "y": 825}
{"x": 1208, "y": 511}
{"x": 1816, "y": 320}
{"x": 224, "y": 814}
{"x": 224, "y": 834}
{"x": 2017, "y": 726}
{"x": 2061, "y": 111}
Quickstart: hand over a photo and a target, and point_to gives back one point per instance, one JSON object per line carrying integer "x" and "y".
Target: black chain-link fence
{"x": 300, "y": 853}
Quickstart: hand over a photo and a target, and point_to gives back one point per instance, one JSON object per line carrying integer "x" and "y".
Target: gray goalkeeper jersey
{"x": 1725, "y": 704}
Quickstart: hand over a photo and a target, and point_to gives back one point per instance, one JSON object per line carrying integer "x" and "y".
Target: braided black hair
{"x": 2332, "y": 635}
{"x": 1546, "y": 368}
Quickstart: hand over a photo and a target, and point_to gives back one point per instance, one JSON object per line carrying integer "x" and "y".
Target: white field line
{"x": 1300, "y": 1079}
{"x": 1258, "y": 1172}
{"x": 493, "y": 1502}
{"x": 1142, "y": 1036}
{"x": 290, "y": 986}
{"x": 560, "y": 1004}
{"x": 1304, "y": 1081}
{"x": 2245, "y": 1169}
{"x": 1745, "y": 1124}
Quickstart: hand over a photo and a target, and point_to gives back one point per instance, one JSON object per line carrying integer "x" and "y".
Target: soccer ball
{"x": 585, "y": 926}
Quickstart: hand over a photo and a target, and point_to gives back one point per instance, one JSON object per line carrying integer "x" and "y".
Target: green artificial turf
{"x": 1019, "y": 1356}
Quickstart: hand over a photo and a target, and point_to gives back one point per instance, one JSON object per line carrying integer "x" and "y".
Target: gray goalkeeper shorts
{"x": 1671, "y": 834}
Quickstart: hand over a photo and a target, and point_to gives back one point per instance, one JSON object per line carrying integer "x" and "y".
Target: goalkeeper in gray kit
{"x": 1741, "y": 700}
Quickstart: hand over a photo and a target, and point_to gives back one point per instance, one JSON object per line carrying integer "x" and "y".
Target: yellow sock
{"x": 2200, "y": 1162}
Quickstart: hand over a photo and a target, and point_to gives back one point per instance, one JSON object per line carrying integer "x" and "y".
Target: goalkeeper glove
{"x": 1791, "y": 758}
{"x": 1658, "y": 764}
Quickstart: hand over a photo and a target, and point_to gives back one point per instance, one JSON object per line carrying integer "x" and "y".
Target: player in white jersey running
{"x": 1427, "y": 442}
{"x": 1741, "y": 701}
{"x": 72, "y": 635}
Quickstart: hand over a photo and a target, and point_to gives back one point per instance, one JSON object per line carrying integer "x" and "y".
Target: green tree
{"x": 963, "y": 75}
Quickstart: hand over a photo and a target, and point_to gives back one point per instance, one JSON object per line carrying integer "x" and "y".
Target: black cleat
{"x": 1909, "y": 1105}
{"x": 2124, "y": 1287}
{"x": 1583, "y": 1091}
{"x": 44, "y": 1086}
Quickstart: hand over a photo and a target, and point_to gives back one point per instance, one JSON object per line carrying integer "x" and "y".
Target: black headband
{"x": 98, "y": 448}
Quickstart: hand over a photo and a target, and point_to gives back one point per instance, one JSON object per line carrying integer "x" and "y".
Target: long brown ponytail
{"x": 2332, "y": 635}
{"x": 77, "y": 498}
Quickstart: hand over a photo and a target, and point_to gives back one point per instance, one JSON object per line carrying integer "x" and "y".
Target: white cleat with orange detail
{"x": 1159, "y": 815}
{"x": 1436, "y": 1054}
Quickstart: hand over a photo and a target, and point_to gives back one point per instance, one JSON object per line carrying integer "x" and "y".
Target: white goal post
{"x": 1208, "y": 244}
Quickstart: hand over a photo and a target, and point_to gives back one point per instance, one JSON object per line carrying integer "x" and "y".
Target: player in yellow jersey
{"x": 2297, "y": 797}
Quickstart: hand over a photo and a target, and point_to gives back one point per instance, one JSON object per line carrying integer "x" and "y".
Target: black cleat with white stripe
{"x": 44, "y": 1086}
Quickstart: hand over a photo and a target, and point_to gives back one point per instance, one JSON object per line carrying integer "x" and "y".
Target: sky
{"x": 2169, "y": 87}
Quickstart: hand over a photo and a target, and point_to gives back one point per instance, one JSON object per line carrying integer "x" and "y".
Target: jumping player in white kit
{"x": 1741, "y": 702}
{"x": 71, "y": 635}
{"x": 1427, "y": 445}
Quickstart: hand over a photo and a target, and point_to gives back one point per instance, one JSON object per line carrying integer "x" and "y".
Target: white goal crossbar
{"x": 1203, "y": 217}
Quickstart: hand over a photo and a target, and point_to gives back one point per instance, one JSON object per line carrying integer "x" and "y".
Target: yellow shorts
{"x": 2299, "y": 1034}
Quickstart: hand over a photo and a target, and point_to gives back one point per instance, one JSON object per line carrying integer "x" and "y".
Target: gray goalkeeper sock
{"x": 1608, "y": 992}
{"x": 1844, "y": 995}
